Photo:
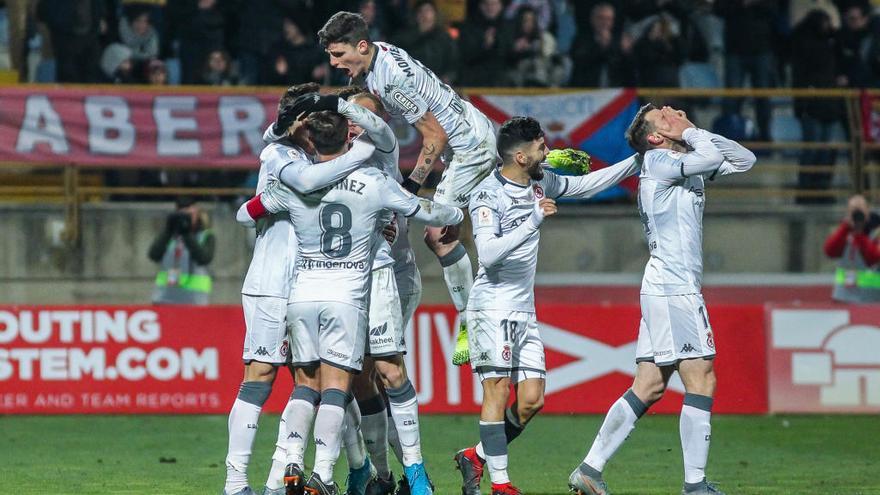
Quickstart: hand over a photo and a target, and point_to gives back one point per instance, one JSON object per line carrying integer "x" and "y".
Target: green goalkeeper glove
{"x": 570, "y": 160}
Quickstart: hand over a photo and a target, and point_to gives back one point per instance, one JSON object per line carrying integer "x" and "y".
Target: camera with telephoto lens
{"x": 179, "y": 222}
{"x": 858, "y": 216}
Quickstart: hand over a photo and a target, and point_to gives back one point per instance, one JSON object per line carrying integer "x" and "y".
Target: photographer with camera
{"x": 856, "y": 243}
{"x": 183, "y": 250}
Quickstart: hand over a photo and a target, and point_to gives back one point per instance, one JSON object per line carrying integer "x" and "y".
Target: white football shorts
{"x": 386, "y": 321}
{"x": 265, "y": 338}
{"x": 505, "y": 343}
{"x": 674, "y": 328}
{"x": 327, "y": 332}
{"x": 466, "y": 169}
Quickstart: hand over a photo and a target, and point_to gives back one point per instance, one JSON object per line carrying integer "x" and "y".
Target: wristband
{"x": 411, "y": 185}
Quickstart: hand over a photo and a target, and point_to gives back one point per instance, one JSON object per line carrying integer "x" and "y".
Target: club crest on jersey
{"x": 539, "y": 191}
{"x": 505, "y": 353}
{"x": 710, "y": 340}
{"x": 284, "y": 348}
{"x": 484, "y": 217}
{"x": 404, "y": 101}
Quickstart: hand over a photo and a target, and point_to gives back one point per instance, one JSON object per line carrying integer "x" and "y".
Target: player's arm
{"x": 737, "y": 158}
{"x": 399, "y": 200}
{"x": 434, "y": 140}
{"x": 585, "y": 186}
{"x": 378, "y": 130}
{"x": 494, "y": 245}
{"x": 306, "y": 177}
{"x": 273, "y": 199}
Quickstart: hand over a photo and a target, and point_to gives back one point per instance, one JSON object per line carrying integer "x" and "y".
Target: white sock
{"x": 275, "y": 480}
{"x": 298, "y": 417}
{"x": 374, "y": 426}
{"x": 405, "y": 413}
{"x": 459, "y": 276}
{"x": 696, "y": 432}
{"x": 328, "y": 430}
{"x": 394, "y": 438}
{"x": 480, "y": 452}
{"x": 352, "y": 438}
{"x": 492, "y": 435}
{"x": 619, "y": 422}
{"x": 243, "y": 420}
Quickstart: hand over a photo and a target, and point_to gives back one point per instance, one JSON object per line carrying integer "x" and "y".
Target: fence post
{"x": 71, "y": 205}
{"x": 854, "y": 114}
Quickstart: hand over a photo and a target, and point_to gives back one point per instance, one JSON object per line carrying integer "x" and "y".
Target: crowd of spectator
{"x": 486, "y": 43}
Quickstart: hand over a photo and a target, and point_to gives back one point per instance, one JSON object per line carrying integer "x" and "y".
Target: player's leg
{"x": 694, "y": 424}
{"x": 264, "y": 345}
{"x": 464, "y": 171}
{"x": 299, "y": 415}
{"x": 341, "y": 348}
{"x": 654, "y": 340}
{"x": 360, "y": 470}
{"x": 275, "y": 480}
{"x": 696, "y": 350}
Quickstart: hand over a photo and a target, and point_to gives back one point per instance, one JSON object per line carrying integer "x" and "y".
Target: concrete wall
{"x": 111, "y": 266}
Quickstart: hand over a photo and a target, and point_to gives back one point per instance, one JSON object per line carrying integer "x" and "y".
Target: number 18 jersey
{"x": 337, "y": 231}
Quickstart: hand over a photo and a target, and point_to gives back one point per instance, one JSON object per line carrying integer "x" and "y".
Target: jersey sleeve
{"x": 737, "y": 158}
{"x": 402, "y": 98}
{"x": 704, "y": 159}
{"x": 397, "y": 199}
{"x": 306, "y": 177}
{"x": 585, "y": 186}
{"x": 269, "y": 135}
{"x": 485, "y": 217}
{"x": 377, "y": 129}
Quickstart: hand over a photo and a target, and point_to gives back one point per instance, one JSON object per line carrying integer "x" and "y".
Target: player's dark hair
{"x": 514, "y": 133}
{"x": 328, "y": 131}
{"x": 346, "y": 92}
{"x": 296, "y": 91}
{"x": 638, "y": 131}
{"x": 344, "y": 27}
{"x": 380, "y": 108}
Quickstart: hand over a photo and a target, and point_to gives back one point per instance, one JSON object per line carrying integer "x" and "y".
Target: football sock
{"x": 393, "y": 437}
{"x": 275, "y": 480}
{"x": 512, "y": 429}
{"x": 374, "y": 425}
{"x": 619, "y": 422}
{"x": 459, "y": 276}
{"x": 298, "y": 418}
{"x": 328, "y": 427}
{"x": 405, "y": 413}
{"x": 352, "y": 438}
{"x": 243, "y": 420}
{"x": 495, "y": 446}
{"x": 695, "y": 431}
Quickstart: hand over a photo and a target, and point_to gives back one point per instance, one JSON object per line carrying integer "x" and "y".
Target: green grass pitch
{"x": 185, "y": 454}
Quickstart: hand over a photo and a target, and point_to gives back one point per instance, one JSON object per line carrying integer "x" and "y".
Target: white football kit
{"x": 409, "y": 89}
{"x": 337, "y": 230}
{"x": 675, "y": 323}
{"x": 267, "y": 283}
{"x": 504, "y": 340}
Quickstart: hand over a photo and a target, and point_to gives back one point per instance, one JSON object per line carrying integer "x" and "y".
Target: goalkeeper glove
{"x": 569, "y": 160}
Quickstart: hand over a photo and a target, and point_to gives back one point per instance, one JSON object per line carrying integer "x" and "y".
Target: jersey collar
{"x": 504, "y": 181}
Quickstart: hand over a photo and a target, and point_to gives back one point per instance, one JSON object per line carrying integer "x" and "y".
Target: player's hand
{"x": 449, "y": 234}
{"x": 326, "y": 102}
{"x": 544, "y": 208}
{"x": 287, "y": 115}
{"x": 676, "y": 123}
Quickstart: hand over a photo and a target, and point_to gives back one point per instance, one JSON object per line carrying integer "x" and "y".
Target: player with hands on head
{"x": 674, "y": 332}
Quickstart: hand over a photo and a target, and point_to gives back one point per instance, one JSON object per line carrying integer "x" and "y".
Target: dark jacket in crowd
{"x": 589, "y": 61}
{"x": 301, "y": 62}
{"x": 435, "y": 49}
{"x": 200, "y": 31}
{"x": 484, "y": 65}
{"x": 748, "y": 30}
{"x": 814, "y": 65}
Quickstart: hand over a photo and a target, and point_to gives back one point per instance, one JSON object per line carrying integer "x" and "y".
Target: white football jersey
{"x": 271, "y": 270}
{"x": 336, "y": 230}
{"x": 409, "y": 89}
{"x": 671, "y": 200}
{"x": 499, "y": 209}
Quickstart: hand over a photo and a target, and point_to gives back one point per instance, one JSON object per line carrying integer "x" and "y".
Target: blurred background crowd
{"x": 476, "y": 43}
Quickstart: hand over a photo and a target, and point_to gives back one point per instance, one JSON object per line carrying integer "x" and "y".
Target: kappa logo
{"x": 688, "y": 348}
{"x": 380, "y": 330}
{"x": 318, "y": 441}
{"x": 401, "y": 99}
{"x": 261, "y": 351}
{"x": 294, "y": 434}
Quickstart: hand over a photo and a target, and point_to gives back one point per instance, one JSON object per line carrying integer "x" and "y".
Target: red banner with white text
{"x": 161, "y": 359}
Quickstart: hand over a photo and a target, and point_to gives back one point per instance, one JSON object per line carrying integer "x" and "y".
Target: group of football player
{"x": 333, "y": 279}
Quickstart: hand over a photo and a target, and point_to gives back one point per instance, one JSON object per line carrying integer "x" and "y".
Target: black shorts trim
{"x": 349, "y": 369}
{"x": 513, "y": 369}
{"x": 384, "y": 354}
{"x": 306, "y": 364}
{"x": 276, "y": 364}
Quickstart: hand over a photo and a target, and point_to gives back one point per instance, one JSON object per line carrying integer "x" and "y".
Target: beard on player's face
{"x": 536, "y": 171}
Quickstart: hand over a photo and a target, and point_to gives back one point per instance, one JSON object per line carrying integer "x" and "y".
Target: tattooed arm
{"x": 433, "y": 142}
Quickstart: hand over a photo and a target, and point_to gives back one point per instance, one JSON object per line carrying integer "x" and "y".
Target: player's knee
{"x": 259, "y": 372}
{"x": 392, "y": 376}
{"x": 530, "y": 407}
